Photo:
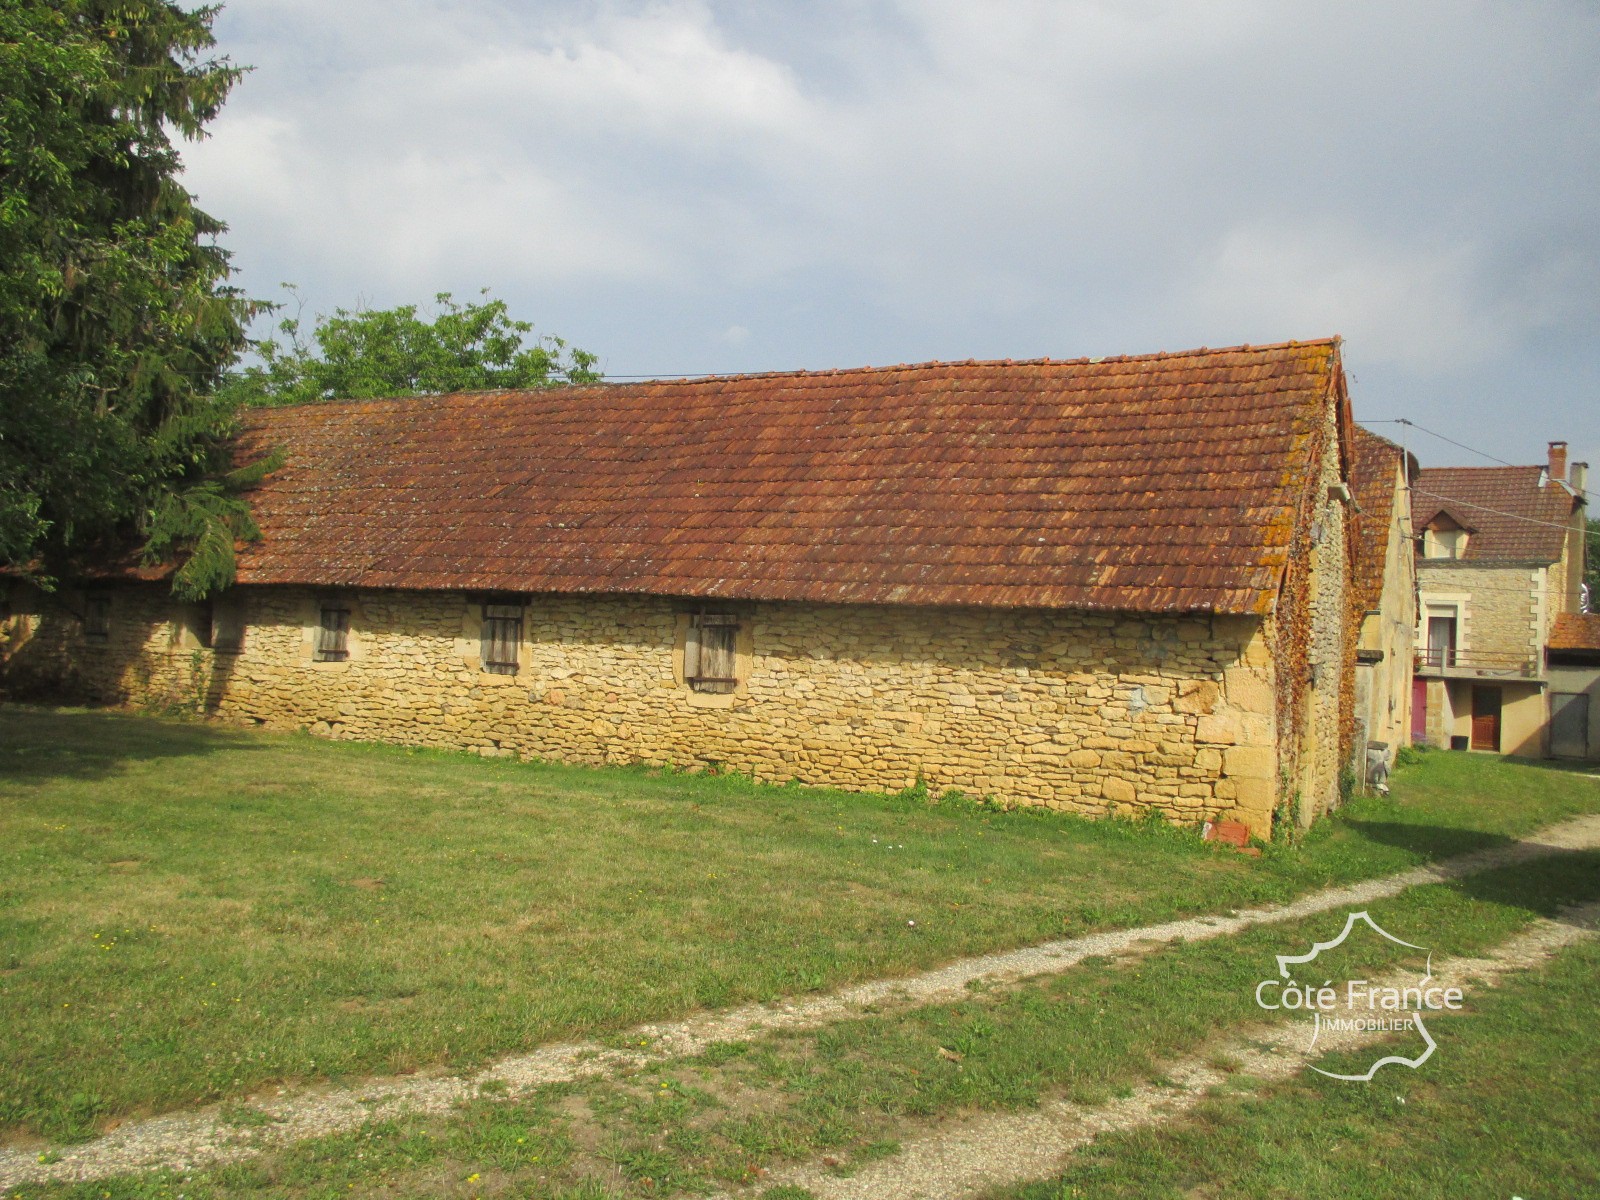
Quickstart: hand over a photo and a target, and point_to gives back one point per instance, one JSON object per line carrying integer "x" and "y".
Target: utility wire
{"x": 1470, "y": 450}
{"x": 1499, "y": 512}
{"x": 1443, "y": 438}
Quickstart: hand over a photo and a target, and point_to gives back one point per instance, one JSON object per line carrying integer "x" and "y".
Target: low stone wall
{"x": 1082, "y": 712}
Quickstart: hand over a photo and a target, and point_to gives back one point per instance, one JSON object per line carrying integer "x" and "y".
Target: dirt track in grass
{"x": 205, "y": 1136}
{"x": 973, "y": 1157}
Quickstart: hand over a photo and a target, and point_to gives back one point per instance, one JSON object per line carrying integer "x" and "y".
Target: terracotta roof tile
{"x": 1512, "y": 518}
{"x": 1377, "y": 463}
{"x": 1576, "y": 631}
{"x": 1157, "y": 483}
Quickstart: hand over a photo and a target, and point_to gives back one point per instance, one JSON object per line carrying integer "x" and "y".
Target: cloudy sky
{"x": 687, "y": 186}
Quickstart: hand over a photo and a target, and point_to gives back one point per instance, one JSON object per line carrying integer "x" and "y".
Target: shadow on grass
{"x": 1545, "y": 887}
{"x": 38, "y": 743}
{"x": 1564, "y": 766}
{"x": 1430, "y": 840}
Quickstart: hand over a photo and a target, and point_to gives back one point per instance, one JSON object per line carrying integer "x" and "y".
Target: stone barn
{"x": 1112, "y": 585}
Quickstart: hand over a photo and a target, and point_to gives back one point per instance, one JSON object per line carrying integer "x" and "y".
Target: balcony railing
{"x": 1447, "y": 660}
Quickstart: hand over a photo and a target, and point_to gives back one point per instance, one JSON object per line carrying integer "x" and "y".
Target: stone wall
{"x": 1082, "y": 712}
{"x": 1313, "y": 635}
{"x": 1501, "y": 621}
{"x": 1565, "y": 580}
{"x": 1334, "y": 629}
{"x": 1391, "y": 630}
{"x": 151, "y": 655}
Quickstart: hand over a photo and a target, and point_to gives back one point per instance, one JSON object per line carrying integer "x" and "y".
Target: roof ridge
{"x": 826, "y": 372}
{"x": 1363, "y": 431}
{"x": 1507, "y": 467}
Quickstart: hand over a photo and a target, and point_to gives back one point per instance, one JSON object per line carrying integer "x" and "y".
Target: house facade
{"x": 1105, "y": 586}
{"x": 1501, "y": 557}
{"x": 1385, "y": 590}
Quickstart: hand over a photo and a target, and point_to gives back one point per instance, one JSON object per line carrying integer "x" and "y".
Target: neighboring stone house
{"x": 1573, "y": 661}
{"x": 1386, "y": 593}
{"x": 1502, "y": 552}
{"x": 1108, "y": 586}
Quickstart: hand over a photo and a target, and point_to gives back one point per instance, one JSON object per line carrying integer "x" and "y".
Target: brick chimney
{"x": 1558, "y": 462}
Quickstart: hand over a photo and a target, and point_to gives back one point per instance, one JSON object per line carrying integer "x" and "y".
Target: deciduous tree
{"x": 397, "y": 352}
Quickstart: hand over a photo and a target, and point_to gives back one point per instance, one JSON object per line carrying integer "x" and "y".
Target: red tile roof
{"x": 1157, "y": 483}
{"x": 1576, "y": 631}
{"x": 1511, "y": 517}
{"x": 1377, "y": 470}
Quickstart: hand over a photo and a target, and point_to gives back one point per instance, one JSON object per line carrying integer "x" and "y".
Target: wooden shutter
{"x": 204, "y": 623}
{"x": 227, "y": 626}
{"x": 97, "y": 617}
{"x": 502, "y": 633}
{"x": 710, "y": 657}
{"x": 333, "y": 633}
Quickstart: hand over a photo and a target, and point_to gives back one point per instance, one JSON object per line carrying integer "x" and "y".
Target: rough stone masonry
{"x": 1082, "y": 712}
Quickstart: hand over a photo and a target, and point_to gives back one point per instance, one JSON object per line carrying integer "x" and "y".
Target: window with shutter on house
{"x": 709, "y": 653}
{"x": 201, "y": 620}
{"x": 97, "y": 617}
{"x": 227, "y": 625}
{"x": 502, "y": 634}
{"x": 333, "y": 631}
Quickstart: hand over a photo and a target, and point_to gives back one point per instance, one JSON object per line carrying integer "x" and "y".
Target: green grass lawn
{"x": 1510, "y": 1111}
{"x": 852, "y": 1091}
{"x": 189, "y": 912}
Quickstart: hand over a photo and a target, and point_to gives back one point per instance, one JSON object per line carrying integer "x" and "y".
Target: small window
{"x": 1441, "y": 634}
{"x": 1443, "y": 538}
{"x": 709, "y": 654}
{"x": 227, "y": 625}
{"x": 201, "y": 619}
{"x": 97, "y": 617}
{"x": 502, "y": 634}
{"x": 333, "y": 631}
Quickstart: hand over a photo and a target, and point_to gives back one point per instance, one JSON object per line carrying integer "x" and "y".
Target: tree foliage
{"x": 397, "y": 352}
{"x": 116, "y": 318}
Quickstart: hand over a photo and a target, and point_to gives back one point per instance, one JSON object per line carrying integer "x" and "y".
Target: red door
{"x": 1486, "y": 718}
{"x": 1419, "y": 711}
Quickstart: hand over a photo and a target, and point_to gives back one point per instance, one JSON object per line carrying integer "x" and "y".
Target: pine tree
{"x": 117, "y": 321}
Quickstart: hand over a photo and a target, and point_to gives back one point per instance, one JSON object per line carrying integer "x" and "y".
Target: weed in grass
{"x": 245, "y": 1116}
{"x": 874, "y": 1151}
{"x": 1409, "y": 756}
{"x": 720, "y": 1052}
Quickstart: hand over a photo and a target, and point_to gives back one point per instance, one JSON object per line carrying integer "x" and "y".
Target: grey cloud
{"x": 852, "y": 182}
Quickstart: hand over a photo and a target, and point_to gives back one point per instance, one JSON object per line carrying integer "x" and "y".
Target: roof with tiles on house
{"x": 1514, "y": 514}
{"x": 1576, "y": 632}
{"x": 1376, "y": 469}
{"x": 1162, "y": 483}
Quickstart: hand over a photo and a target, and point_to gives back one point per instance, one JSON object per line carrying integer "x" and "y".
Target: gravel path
{"x": 969, "y": 1158}
{"x": 186, "y": 1140}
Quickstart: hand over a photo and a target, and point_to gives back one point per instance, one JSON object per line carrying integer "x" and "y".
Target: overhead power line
{"x": 1443, "y": 438}
{"x": 1499, "y": 512}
